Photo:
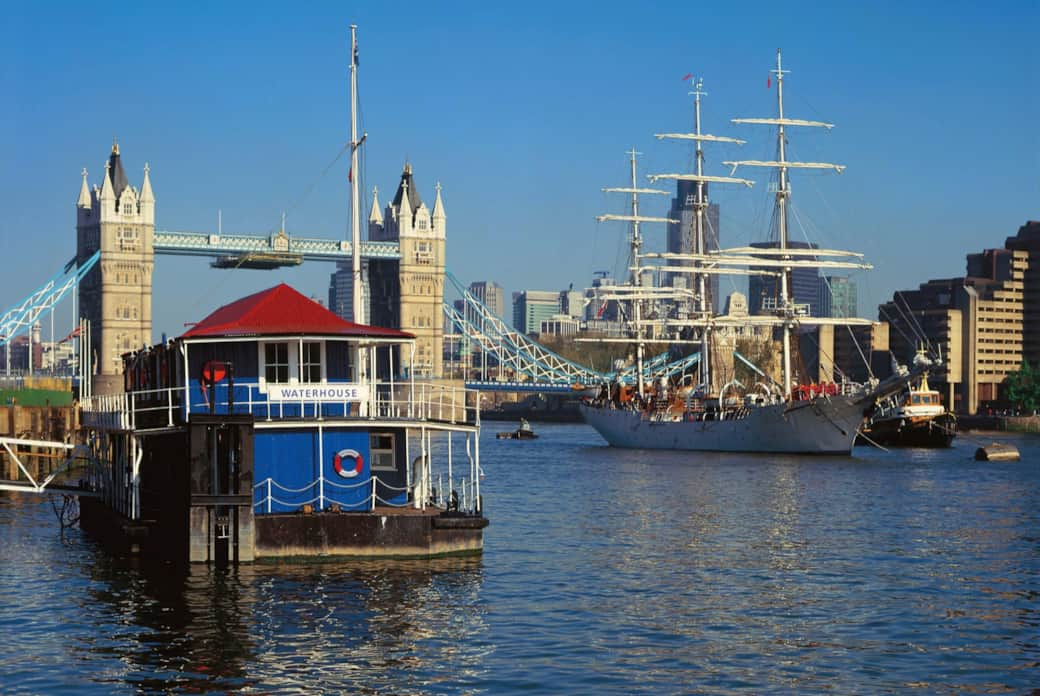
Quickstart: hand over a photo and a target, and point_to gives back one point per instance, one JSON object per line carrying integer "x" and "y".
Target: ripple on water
{"x": 605, "y": 571}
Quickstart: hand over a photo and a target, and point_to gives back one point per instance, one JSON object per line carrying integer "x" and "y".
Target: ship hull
{"x": 820, "y": 426}
{"x": 937, "y": 431}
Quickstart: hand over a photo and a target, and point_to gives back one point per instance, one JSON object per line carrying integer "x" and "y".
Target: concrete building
{"x": 409, "y": 294}
{"x": 1028, "y": 240}
{"x": 532, "y": 307}
{"x": 597, "y": 308}
{"x": 491, "y": 295}
{"x": 560, "y": 325}
{"x": 838, "y": 297}
{"x": 836, "y": 354}
{"x": 977, "y": 322}
{"x": 116, "y": 295}
{"x": 681, "y": 236}
{"x": 572, "y": 303}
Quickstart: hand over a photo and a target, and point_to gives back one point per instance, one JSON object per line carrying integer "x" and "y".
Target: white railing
{"x": 419, "y": 401}
{"x": 271, "y": 493}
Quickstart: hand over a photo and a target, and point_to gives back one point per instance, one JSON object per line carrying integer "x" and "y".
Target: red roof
{"x": 281, "y": 311}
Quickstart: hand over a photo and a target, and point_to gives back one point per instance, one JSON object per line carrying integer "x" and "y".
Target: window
{"x": 290, "y": 362}
{"x": 424, "y": 253}
{"x": 310, "y": 363}
{"x": 381, "y": 450}
{"x": 128, "y": 208}
{"x": 276, "y": 362}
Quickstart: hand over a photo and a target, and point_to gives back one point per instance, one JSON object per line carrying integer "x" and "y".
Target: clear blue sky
{"x": 523, "y": 111}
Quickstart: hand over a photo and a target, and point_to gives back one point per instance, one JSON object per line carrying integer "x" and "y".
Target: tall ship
{"x": 719, "y": 413}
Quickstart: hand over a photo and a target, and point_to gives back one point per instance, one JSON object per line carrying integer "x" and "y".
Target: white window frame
{"x": 295, "y": 362}
{"x": 322, "y": 376}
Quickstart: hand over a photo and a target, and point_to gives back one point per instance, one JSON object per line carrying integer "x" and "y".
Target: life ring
{"x": 348, "y": 471}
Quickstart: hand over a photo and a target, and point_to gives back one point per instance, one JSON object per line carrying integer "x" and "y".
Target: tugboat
{"x": 524, "y": 432}
{"x": 917, "y": 419}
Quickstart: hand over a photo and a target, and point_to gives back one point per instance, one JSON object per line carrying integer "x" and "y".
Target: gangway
{"x": 67, "y": 452}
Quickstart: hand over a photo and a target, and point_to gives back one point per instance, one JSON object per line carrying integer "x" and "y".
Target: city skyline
{"x": 530, "y": 119}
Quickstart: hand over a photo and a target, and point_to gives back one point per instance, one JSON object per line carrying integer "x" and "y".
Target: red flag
{"x": 769, "y": 81}
{"x": 687, "y": 76}
{"x": 350, "y": 175}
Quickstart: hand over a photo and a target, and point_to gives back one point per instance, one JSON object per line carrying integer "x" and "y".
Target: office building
{"x": 532, "y": 307}
{"x": 838, "y": 297}
{"x": 804, "y": 289}
{"x": 976, "y": 323}
{"x": 682, "y": 238}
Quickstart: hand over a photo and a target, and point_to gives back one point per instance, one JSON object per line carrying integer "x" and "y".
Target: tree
{"x": 1023, "y": 387}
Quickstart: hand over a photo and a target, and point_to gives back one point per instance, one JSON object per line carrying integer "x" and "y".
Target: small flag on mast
{"x": 687, "y": 76}
{"x": 350, "y": 175}
{"x": 769, "y": 81}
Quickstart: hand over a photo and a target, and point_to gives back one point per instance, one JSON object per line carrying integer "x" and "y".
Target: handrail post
{"x": 374, "y": 480}
{"x": 269, "y": 494}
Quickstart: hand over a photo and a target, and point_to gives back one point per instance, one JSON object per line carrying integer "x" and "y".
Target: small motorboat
{"x": 524, "y": 432}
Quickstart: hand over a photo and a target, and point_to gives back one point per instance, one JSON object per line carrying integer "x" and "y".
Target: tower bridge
{"x": 116, "y": 245}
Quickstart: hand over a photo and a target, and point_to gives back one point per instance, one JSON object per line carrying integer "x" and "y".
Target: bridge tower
{"x": 116, "y": 296}
{"x": 417, "y": 282}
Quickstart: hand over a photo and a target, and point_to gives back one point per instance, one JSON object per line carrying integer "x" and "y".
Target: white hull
{"x": 821, "y": 426}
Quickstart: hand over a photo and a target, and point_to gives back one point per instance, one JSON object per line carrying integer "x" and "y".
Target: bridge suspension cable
{"x": 20, "y": 318}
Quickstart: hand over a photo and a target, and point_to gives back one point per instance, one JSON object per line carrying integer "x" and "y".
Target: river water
{"x": 604, "y": 571}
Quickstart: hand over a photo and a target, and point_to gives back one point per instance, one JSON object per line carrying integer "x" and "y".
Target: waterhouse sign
{"x": 317, "y": 392}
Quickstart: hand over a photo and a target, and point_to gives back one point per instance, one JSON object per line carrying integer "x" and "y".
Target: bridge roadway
{"x": 306, "y": 248}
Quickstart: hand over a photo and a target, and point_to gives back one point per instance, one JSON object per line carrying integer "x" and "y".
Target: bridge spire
{"x": 375, "y": 216}
{"x": 107, "y": 194}
{"x": 84, "y": 192}
{"x": 438, "y": 205}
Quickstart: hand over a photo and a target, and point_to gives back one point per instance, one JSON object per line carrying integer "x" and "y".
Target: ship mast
{"x": 636, "y": 244}
{"x": 783, "y": 192}
{"x": 700, "y": 206}
{"x": 355, "y": 208}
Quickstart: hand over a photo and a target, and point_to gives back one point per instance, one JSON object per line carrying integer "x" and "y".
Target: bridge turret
{"x": 116, "y": 295}
{"x": 107, "y": 198}
{"x": 84, "y": 192}
{"x": 147, "y": 200}
{"x": 375, "y": 218}
{"x": 440, "y": 218}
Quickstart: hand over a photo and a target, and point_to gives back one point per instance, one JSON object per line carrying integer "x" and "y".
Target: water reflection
{"x": 366, "y": 626}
